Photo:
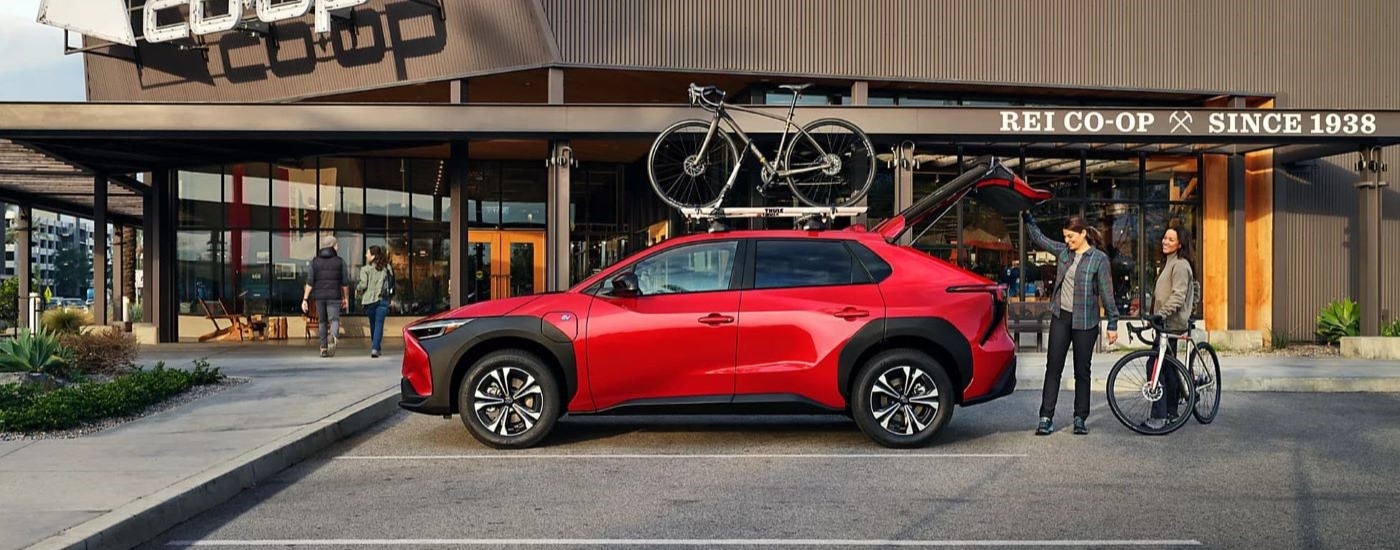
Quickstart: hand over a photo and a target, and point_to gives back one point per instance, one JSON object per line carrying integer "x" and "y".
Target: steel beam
{"x": 99, "y": 249}
{"x": 1369, "y": 186}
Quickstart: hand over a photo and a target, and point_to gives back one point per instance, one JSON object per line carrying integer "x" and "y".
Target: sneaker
{"x": 1046, "y": 426}
{"x": 374, "y": 353}
{"x": 323, "y": 352}
{"x": 1079, "y": 428}
{"x": 1154, "y": 423}
{"x": 331, "y": 348}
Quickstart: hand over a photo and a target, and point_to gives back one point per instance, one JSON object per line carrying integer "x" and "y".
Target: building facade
{"x": 495, "y": 213}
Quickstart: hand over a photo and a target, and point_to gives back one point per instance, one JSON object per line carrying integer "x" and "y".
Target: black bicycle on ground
{"x": 1153, "y": 393}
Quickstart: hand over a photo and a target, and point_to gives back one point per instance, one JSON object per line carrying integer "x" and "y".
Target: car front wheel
{"x": 902, "y": 399}
{"x": 509, "y": 399}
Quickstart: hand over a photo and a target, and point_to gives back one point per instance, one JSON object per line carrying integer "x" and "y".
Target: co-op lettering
{"x": 1075, "y": 121}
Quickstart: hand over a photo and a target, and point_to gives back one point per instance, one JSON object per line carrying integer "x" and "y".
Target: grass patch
{"x": 30, "y": 409}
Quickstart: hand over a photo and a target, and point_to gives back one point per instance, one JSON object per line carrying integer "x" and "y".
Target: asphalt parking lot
{"x": 1276, "y": 470}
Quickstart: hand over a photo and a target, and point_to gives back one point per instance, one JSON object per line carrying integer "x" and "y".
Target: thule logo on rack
{"x": 268, "y": 11}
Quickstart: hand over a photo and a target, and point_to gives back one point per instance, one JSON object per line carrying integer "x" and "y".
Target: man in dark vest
{"x": 328, "y": 285}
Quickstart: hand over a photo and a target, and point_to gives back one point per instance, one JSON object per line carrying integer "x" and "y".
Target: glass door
{"x": 503, "y": 264}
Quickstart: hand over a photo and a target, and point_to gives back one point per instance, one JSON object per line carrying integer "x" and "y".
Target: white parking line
{"x": 514, "y": 456}
{"x": 680, "y": 542}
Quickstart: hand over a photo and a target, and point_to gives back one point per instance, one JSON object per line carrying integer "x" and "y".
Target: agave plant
{"x": 39, "y": 352}
{"x": 1338, "y": 320}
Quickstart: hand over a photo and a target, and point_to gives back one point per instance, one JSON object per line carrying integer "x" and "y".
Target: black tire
{"x": 907, "y": 423}
{"x": 703, "y": 185}
{"x": 1207, "y": 371}
{"x": 1128, "y": 378}
{"x": 531, "y": 415}
{"x": 838, "y": 187}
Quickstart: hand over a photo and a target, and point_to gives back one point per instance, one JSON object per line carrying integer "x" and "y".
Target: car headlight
{"x": 434, "y": 329}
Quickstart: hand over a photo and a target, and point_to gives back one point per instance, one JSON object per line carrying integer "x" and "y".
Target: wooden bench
{"x": 1029, "y": 317}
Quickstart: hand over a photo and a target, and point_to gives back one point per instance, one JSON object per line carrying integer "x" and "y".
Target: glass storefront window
{"x": 1120, "y": 225}
{"x": 294, "y": 199}
{"x": 524, "y": 194}
{"x": 201, "y": 198}
{"x": 342, "y": 192}
{"x": 1172, "y": 179}
{"x": 1115, "y": 180}
{"x": 247, "y": 196}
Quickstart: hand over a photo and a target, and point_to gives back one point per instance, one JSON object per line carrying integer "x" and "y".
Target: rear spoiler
{"x": 942, "y": 199}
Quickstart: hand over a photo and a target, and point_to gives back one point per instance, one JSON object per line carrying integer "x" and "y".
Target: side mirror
{"x": 626, "y": 285}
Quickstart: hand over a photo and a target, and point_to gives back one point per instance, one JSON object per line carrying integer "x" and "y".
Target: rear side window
{"x": 879, "y": 269}
{"x": 783, "y": 264}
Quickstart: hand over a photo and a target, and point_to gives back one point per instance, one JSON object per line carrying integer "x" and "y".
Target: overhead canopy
{"x": 125, "y": 138}
{"x": 32, "y": 177}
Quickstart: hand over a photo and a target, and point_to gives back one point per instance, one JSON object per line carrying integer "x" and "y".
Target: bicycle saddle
{"x": 796, "y": 87}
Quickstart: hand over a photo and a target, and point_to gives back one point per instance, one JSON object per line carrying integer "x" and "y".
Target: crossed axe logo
{"x": 1180, "y": 121}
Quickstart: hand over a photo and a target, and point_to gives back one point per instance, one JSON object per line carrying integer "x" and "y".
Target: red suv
{"x": 838, "y": 321}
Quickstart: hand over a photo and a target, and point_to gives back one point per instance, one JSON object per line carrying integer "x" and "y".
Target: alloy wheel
{"x": 904, "y": 400}
{"x": 508, "y": 401}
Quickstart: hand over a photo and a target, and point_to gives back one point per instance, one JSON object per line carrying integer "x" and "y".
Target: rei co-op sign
{"x": 268, "y": 11}
{"x": 1245, "y": 123}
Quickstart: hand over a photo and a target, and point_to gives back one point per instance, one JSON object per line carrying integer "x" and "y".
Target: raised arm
{"x": 1040, "y": 240}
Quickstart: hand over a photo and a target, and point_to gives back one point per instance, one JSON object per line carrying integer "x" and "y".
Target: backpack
{"x": 386, "y": 291}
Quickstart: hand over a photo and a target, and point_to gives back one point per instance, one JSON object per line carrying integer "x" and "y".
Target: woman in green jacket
{"x": 374, "y": 295}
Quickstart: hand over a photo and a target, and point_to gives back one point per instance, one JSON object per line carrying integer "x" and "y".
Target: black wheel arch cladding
{"x": 934, "y": 330}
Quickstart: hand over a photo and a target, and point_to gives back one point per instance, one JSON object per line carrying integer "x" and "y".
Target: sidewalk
{"x": 165, "y": 468}
{"x": 118, "y": 488}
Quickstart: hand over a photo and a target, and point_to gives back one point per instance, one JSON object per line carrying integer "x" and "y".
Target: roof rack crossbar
{"x": 773, "y": 212}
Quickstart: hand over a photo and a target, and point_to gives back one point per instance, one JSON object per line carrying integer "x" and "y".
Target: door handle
{"x": 716, "y": 319}
{"x": 852, "y": 313}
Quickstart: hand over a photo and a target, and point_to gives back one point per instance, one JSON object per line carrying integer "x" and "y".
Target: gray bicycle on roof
{"x": 693, "y": 163}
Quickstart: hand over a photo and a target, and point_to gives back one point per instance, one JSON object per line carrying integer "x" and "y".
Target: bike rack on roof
{"x": 810, "y": 218}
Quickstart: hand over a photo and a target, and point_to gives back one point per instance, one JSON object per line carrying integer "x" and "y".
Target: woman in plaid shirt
{"x": 1083, "y": 282}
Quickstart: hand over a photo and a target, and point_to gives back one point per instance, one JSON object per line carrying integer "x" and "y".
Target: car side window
{"x": 700, "y": 267}
{"x": 879, "y": 269}
{"x": 793, "y": 263}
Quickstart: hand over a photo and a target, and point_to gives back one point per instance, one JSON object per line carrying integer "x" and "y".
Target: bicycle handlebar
{"x": 1154, "y": 322}
{"x": 699, "y": 96}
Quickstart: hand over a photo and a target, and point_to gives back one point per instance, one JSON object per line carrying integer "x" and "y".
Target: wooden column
{"x": 1215, "y": 242}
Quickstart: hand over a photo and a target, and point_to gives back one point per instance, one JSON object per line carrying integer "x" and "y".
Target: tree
{"x": 73, "y": 268}
{"x": 10, "y": 300}
{"x": 129, "y": 267}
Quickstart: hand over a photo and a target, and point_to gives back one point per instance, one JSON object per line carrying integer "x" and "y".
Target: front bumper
{"x": 411, "y": 401}
{"x": 1005, "y": 384}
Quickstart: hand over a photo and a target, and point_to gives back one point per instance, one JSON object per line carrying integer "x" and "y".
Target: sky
{"x": 32, "y": 64}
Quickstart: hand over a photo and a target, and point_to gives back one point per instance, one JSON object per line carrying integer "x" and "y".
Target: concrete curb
{"x": 1279, "y": 385}
{"x": 138, "y": 522}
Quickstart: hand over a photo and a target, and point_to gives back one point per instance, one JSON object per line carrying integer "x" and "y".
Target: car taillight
{"x": 999, "y": 309}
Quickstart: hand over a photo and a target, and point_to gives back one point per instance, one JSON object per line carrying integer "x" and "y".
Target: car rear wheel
{"x": 509, "y": 399}
{"x": 902, "y": 399}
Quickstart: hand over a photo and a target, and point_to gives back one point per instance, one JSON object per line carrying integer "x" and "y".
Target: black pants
{"x": 1170, "y": 382}
{"x": 1062, "y": 333}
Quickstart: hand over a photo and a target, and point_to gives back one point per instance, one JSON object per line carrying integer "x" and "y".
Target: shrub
{"x": 65, "y": 320}
{"x": 1338, "y": 320}
{"x": 1278, "y": 339}
{"x": 39, "y": 352}
{"x": 25, "y": 409}
{"x": 108, "y": 351}
{"x": 1393, "y": 329}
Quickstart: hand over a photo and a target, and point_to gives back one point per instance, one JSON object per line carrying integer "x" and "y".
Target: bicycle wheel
{"x": 835, "y": 163}
{"x": 684, "y": 176}
{"x": 1133, "y": 402}
{"x": 1205, "y": 371}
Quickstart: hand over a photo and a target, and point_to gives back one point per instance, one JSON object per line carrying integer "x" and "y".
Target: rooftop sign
{"x": 1255, "y": 122}
{"x": 108, "y": 19}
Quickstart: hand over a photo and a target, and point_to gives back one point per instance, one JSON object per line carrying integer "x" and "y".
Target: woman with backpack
{"x": 375, "y": 288}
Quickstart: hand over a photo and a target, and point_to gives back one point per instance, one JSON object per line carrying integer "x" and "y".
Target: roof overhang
{"x": 127, "y": 137}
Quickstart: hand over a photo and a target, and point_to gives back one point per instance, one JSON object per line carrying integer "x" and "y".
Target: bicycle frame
{"x": 777, "y": 167}
{"x": 1154, "y": 380}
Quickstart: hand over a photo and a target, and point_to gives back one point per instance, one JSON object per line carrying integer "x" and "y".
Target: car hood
{"x": 988, "y": 180}
{"x": 488, "y": 308}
